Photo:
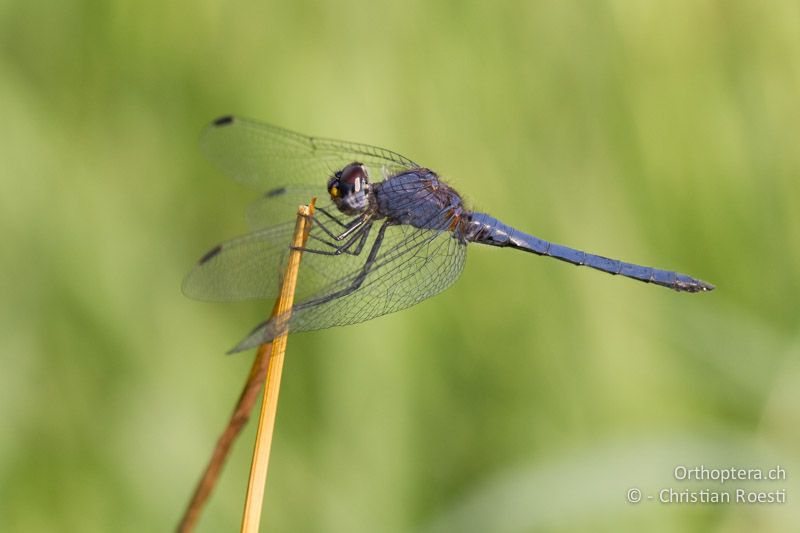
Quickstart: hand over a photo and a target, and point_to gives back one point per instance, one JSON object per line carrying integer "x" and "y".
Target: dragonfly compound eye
{"x": 348, "y": 188}
{"x": 353, "y": 177}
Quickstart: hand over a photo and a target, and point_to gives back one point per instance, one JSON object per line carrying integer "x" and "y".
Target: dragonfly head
{"x": 348, "y": 189}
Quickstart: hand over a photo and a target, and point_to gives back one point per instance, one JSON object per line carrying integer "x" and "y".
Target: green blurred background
{"x": 529, "y": 397}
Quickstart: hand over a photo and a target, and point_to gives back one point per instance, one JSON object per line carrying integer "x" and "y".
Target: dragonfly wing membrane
{"x": 415, "y": 265}
{"x": 264, "y": 156}
{"x": 244, "y": 268}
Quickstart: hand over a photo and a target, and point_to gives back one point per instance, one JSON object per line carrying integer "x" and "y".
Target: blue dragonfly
{"x": 387, "y": 233}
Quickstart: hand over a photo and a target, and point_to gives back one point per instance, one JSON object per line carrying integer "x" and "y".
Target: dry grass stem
{"x": 243, "y": 408}
{"x": 269, "y": 406}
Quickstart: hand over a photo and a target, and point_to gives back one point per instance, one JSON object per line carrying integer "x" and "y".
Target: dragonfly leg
{"x": 331, "y": 233}
{"x": 327, "y": 214}
{"x": 360, "y": 237}
{"x": 321, "y": 225}
{"x": 362, "y": 241}
{"x": 359, "y": 279}
{"x": 349, "y": 228}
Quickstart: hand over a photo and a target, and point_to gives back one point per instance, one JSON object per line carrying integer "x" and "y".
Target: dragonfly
{"x": 386, "y": 234}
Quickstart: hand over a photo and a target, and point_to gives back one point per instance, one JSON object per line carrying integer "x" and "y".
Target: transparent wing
{"x": 248, "y": 267}
{"x": 413, "y": 265}
{"x": 267, "y": 157}
{"x": 422, "y": 265}
{"x": 279, "y": 205}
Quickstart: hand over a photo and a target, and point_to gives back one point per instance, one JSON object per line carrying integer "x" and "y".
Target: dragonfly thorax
{"x": 349, "y": 189}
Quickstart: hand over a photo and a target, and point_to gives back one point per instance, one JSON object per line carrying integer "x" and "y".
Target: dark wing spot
{"x": 211, "y": 253}
{"x": 224, "y": 121}
{"x": 275, "y": 192}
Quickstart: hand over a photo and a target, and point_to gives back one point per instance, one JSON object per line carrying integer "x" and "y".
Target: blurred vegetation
{"x": 531, "y": 395}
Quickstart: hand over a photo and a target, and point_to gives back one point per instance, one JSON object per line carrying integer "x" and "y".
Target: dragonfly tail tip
{"x": 707, "y": 287}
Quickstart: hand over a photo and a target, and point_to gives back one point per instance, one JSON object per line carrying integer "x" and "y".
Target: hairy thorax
{"x": 419, "y": 198}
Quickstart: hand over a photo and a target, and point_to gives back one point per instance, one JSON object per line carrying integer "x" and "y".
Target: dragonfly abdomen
{"x": 484, "y": 229}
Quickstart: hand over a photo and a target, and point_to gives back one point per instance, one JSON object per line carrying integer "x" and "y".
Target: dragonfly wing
{"x": 248, "y": 267}
{"x": 412, "y": 265}
{"x": 280, "y": 204}
{"x": 265, "y": 156}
